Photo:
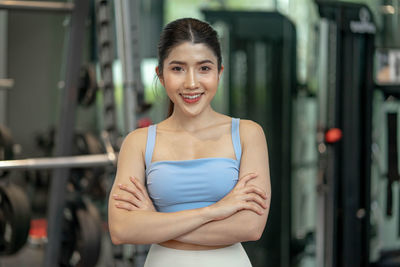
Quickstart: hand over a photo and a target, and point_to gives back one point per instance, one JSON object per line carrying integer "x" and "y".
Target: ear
{"x": 220, "y": 72}
{"x": 159, "y": 76}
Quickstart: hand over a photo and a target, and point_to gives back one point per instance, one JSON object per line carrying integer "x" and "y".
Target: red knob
{"x": 333, "y": 135}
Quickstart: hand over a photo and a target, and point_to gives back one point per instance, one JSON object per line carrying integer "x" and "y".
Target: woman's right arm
{"x": 138, "y": 226}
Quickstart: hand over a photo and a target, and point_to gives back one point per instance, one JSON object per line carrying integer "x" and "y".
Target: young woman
{"x": 196, "y": 184}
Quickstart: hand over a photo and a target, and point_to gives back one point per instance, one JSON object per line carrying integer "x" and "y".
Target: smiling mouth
{"x": 191, "y": 98}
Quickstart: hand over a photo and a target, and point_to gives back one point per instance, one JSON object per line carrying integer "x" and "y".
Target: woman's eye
{"x": 177, "y": 68}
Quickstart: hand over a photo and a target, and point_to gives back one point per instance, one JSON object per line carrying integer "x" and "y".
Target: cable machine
{"x": 347, "y": 34}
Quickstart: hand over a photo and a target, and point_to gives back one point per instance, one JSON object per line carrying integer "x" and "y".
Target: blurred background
{"x": 321, "y": 77}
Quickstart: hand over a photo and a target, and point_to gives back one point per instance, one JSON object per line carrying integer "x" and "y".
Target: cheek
{"x": 211, "y": 82}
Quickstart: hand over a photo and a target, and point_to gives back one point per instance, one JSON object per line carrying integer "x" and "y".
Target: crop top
{"x": 175, "y": 185}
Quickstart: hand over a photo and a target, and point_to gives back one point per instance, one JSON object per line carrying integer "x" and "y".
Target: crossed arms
{"x": 240, "y": 216}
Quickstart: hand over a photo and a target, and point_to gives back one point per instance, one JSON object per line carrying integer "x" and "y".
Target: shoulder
{"x": 136, "y": 138}
{"x": 250, "y": 131}
{"x": 249, "y": 127}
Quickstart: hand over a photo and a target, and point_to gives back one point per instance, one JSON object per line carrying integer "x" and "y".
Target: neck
{"x": 180, "y": 120}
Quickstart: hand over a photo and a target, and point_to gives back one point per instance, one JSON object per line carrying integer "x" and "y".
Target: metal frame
{"x": 125, "y": 27}
{"x": 4, "y": 83}
{"x": 79, "y": 11}
{"x": 37, "y": 6}
{"x": 81, "y": 161}
{"x": 65, "y": 130}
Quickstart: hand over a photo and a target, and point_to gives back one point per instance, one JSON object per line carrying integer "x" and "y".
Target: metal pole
{"x": 81, "y": 161}
{"x": 37, "y": 6}
{"x": 65, "y": 131}
{"x": 3, "y": 65}
{"x": 122, "y": 18}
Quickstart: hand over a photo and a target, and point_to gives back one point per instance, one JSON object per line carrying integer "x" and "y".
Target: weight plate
{"x": 87, "y": 86}
{"x": 6, "y": 147}
{"x": 15, "y": 217}
{"x": 82, "y": 236}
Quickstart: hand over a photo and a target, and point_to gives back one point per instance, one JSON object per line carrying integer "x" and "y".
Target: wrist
{"x": 208, "y": 213}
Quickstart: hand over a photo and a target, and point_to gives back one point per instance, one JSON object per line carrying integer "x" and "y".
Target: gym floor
{"x": 32, "y": 254}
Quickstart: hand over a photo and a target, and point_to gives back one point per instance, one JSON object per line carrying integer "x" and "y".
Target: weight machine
{"x": 345, "y": 98}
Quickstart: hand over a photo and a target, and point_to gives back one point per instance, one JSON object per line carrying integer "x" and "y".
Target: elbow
{"x": 115, "y": 240}
{"x": 116, "y": 236}
{"x": 255, "y": 235}
{"x": 255, "y": 232}
{"x": 119, "y": 236}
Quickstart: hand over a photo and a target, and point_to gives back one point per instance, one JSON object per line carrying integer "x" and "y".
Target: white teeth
{"x": 191, "y": 96}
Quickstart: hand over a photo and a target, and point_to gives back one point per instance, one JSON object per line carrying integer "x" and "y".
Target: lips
{"x": 191, "y": 98}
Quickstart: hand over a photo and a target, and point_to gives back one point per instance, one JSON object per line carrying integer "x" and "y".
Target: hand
{"x": 137, "y": 199}
{"x": 242, "y": 197}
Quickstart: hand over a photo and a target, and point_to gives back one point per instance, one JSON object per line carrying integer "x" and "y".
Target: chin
{"x": 193, "y": 112}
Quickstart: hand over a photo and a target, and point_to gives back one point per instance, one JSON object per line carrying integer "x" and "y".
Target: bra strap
{"x": 151, "y": 141}
{"x": 236, "y": 138}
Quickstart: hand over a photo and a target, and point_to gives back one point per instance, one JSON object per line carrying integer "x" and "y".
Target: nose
{"x": 191, "y": 81}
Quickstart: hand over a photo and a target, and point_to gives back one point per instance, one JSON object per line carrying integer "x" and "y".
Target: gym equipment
{"x": 87, "y": 86}
{"x": 128, "y": 25}
{"x": 393, "y": 171}
{"x": 106, "y": 57}
{"x": 347, "y": 33}
{"x": 15, "y": 219}
{"x": 6, "y": 83}
{"x": 6, "y": 147}
{"x": 37, "y": 6}
{"x": 60, "y": 162}
{"x": 65, "y": 129}
{"x": 64, "y": 138}
{"x": 82, "y": 232}
{"x": 262, "y": 80}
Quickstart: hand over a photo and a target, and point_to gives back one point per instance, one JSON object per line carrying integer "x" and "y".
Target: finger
{"x": 132, "y": 190}
{"x": 244, "y": 179}
{"x": 256, "y": 190}
{"x": 256, "y": 199}
{"x": 139, "y": 185}
{"x": 253, "y": 207}
{"x": 128, "y": 199}
{"x": 125, "y": 206}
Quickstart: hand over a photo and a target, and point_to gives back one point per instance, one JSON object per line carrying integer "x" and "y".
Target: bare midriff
{"x": 186, "y": 246}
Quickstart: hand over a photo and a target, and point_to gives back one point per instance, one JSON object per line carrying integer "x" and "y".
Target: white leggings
{"x": 232, "y": 256}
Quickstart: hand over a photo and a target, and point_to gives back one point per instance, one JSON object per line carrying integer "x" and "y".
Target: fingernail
{"x": 115, "y": 196}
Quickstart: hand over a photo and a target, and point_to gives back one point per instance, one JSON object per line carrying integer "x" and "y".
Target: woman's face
{"x": 190, "y": 77}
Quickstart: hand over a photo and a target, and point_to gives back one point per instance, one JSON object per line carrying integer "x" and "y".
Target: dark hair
{"x": 186, "y": 30}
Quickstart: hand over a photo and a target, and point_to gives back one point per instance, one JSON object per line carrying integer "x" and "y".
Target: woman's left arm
{"x": 244, "y": 225}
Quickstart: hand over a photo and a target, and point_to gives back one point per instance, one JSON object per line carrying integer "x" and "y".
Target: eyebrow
{"x": 184, "y": 63}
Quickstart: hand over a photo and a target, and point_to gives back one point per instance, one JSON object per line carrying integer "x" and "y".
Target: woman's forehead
{"x": 189, "y": 51}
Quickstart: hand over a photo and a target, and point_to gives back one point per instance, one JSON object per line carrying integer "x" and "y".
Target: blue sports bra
{"x": 176, "y": 185}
